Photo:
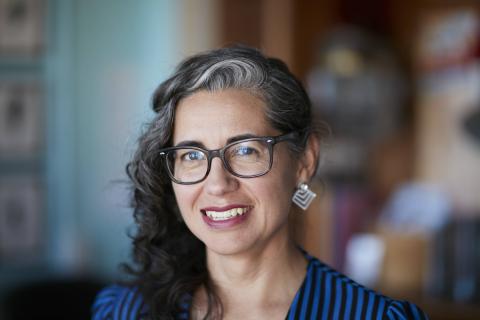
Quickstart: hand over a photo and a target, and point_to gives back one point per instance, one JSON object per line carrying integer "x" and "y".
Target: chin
{"x": 228, "y": 247}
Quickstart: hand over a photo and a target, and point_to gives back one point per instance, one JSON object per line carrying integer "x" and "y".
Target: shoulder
{"x": 118, "y": 302}
{"x": 404, "y": 310}
{"x": 342, "y": 297}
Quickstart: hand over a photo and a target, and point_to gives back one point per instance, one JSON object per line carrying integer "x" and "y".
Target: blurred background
{"x": 398, "y": 82}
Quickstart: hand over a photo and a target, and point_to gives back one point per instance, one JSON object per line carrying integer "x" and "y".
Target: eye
{"x": 245, "y": 151}
{"x": 192, "y": 155}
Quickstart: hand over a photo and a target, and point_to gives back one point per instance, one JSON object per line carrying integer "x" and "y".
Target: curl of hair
{"x": 170, "y": 262}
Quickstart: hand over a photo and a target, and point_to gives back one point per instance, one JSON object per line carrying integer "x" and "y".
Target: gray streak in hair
{"x": 237, "y": 73}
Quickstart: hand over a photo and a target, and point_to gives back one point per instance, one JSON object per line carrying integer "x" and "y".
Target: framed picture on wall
{"x": 21, "y": 125}
{"x": 20, "y": 217}
{"x": 447, "y": 38}
{"x": 21, "y": 26}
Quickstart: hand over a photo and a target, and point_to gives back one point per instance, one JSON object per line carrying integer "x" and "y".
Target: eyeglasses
{"x": 247, "y": 158}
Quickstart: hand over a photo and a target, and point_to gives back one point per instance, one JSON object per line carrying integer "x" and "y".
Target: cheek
{"x": 287, "y": 172}
{"x": 279, "y": 184}
{"x": 185, "y": 196}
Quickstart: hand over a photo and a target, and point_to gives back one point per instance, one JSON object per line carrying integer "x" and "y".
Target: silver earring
{"x": 303, "y": 196}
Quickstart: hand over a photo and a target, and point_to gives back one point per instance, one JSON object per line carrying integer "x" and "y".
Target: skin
{"x": 254, "y": 265}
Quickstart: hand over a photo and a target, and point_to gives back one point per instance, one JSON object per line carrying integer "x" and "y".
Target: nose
{"x": 219, "y": 181}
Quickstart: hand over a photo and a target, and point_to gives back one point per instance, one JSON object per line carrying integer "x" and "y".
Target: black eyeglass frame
{"x": 220, "y": 153}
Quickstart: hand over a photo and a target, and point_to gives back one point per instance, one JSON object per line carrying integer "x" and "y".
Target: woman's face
{"x": 261, "y": 204}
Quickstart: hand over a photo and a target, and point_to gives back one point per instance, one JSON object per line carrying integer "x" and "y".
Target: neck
{"x": 249, "y": 267}
{"x": 264, "y": 276}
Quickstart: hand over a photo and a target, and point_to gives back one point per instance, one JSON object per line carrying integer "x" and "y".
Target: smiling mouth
{"x": 227, "y": 214}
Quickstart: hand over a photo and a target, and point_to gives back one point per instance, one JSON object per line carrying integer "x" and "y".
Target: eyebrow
{"x": 241, "y": 137}
{"x": 190, "y": 143}
{"x": 193, "y": 143}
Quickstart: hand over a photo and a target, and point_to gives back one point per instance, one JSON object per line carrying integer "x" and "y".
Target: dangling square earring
{"x": 303, "y": 197}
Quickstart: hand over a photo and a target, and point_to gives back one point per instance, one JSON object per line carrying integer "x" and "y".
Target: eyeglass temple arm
{"x": 288, "y": 136}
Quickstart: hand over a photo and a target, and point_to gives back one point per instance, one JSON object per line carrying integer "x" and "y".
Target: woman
{"x": 214, "y": 177}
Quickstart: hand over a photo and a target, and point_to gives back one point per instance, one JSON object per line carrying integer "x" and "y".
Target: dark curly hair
{"x": 170, "y": 262}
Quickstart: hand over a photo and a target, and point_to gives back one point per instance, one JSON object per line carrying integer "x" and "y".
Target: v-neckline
{"x": 296, "y": 298}
{"x": 187, "y": 303}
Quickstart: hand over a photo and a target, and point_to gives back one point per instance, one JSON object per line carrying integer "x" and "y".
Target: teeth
{"x": 224, "y": 215}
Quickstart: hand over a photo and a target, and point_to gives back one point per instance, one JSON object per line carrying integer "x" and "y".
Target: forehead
{"x": 213, "y": 117}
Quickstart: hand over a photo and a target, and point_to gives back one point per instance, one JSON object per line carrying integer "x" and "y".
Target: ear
{"x": 308, "y": 163}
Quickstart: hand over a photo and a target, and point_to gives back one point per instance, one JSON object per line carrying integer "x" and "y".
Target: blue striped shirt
{"x": 324, "y": 294}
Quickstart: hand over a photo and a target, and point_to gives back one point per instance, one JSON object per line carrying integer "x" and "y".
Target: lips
{"x": 227, "y": 216}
